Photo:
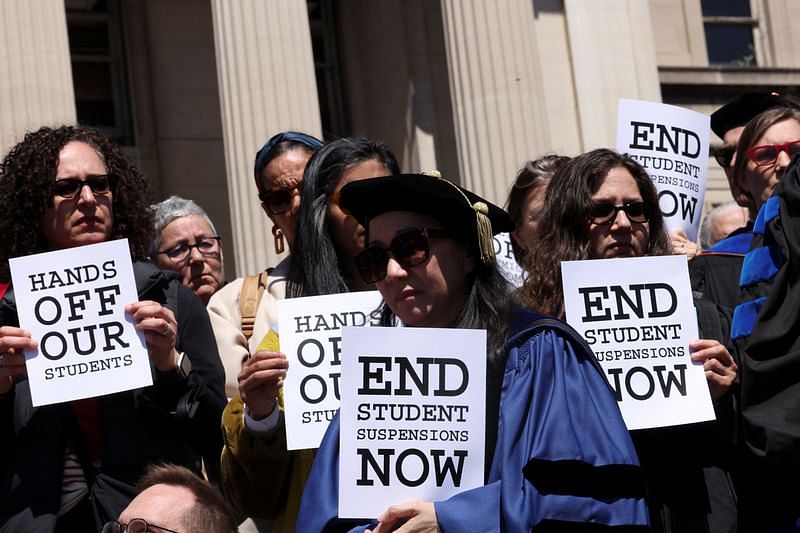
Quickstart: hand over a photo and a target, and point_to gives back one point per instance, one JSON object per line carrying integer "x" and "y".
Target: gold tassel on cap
{"x": 485, "y": 244}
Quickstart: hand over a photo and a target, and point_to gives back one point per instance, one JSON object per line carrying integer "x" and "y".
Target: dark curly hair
{"x": 27, "y": 175}
{"x": 564, "y": 229}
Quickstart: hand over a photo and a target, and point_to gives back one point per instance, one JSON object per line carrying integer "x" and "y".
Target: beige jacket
{"x": 223, "y": 309}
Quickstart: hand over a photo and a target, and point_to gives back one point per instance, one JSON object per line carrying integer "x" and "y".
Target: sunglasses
{"x": 724, "y": 156}
{"x": 208, "y": 246}
{"x": 69, "y": 188}
{"x": 607, "y": 213}
{"x": 409, "y": 248}
{"x": 767, "y": 154}
{"x": 277, "y": 200}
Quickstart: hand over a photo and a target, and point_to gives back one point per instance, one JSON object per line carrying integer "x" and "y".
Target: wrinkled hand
{"x": 717, "y": 362}
{"x": 260, "y": 380}
{"x": 682, "y": 245}
{"x": 160, "y": 331}
{"x": 413, "y": 516}
{"x": 13, "y": 343}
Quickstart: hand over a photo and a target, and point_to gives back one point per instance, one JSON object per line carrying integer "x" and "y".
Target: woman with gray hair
{"x": 186, "y": 241}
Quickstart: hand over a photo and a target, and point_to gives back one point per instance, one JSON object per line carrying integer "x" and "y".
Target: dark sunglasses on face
{"x": 277, "y": 200}
{"x": 724, "y": 156}
{"x": 607, "y": 213}
{"x": 410, "y": 247}
{"x": 136, "y": 525}
{"x": 767, "y": 154}
{"x": 69, "y": 188}
{"x": 208, "y": 246}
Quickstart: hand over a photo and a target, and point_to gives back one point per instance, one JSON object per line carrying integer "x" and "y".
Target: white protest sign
{"x": 413, "y": 416}
{"x": 671, "y": 143}
{"x": 506, "y": 261}
{"x": 638, "y": 316}
{"x": 310, "y": 330}
{"x": 72, "y": 301}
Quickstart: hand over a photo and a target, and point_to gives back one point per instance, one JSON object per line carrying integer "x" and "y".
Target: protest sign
{"x": 413, "y": 416}
{"x": 310, "y": 336}
{"x": 72, "y": 301}
{"x": 671, "y": 143}
{"x": 506, "y": 261}
{"x": 638, "y": 316}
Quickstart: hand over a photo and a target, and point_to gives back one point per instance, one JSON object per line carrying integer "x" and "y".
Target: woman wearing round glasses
{"x": 64, "y": 465}
{"x": 766, "y": 147}
{"x": 187, "y": 242}
{"x": 603, "y": 205}
{"x": 430, "y": 255}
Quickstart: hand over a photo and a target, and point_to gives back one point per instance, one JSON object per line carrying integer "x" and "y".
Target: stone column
{"x": 35, "y": 71}
{"x": 265, "y": 69}
{"x": 496, "y": 91}
{"x": 613, "y": 56}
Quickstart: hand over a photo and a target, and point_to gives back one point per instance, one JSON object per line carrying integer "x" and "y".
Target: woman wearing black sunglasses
{"x": 603, "y": 205}
{"x": 430, "y": 254}
{"x": 66, "y": 465}
{"x": 260, "y": 476}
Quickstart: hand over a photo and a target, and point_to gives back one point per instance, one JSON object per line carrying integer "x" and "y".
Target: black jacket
{"x": 138, "y": 427}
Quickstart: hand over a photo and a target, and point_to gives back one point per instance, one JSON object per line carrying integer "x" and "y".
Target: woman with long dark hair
{"x": 603, "y": 205}
{"x": 260, "y": 476}
{"x": 430, "y": 254}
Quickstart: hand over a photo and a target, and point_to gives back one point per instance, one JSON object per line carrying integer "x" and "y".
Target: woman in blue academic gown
{"x": 558, "y": 453}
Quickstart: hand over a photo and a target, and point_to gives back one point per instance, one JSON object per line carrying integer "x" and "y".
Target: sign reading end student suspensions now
{"x": 671, "y": 143}
{"x": 72, "y": 301}
{"x": 412, "y": 418}
{"x": 638, "y": 316}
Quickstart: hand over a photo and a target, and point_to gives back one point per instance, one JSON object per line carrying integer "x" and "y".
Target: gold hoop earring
{"x": 278, "y": 236}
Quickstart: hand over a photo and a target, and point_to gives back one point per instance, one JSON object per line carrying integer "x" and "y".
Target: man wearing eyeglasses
{"x": 715, "y": 272}
{"x": 172, "y": 499}
{"x": 185, "y": 241}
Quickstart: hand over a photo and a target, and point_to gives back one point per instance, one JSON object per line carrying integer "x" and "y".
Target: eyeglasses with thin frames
{"x": 136, "y": 525}
{"x": 638, "y": 212}
{"x": 69, "y": 188}
{"x": 207, "y": 246}
{"x": 409, "y": 248}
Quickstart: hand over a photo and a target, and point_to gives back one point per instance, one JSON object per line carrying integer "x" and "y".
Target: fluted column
{"x": 496, "y": 90}
{"x": 35, "y": 72}
{"x": 613, "y": 56}
{"x": 265, "y": 69}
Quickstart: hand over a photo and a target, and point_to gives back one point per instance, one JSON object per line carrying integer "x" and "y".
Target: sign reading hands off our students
{"x": 310, "y": 330}
{"x": 413, "y": 416}
{"x": 638, "y": 316}
{"x": 671, "y": 143}
{"x": 72, "y": 301}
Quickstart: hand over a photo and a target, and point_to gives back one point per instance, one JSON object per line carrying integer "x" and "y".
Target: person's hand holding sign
{"x": 681, "y": 244}
{"x": 160, "y": 332}
{"x": 13, "y": 343}
{"x": 260, "y": 380}
{"x": 413, "y": 516}
{"x": 717, "y": 362}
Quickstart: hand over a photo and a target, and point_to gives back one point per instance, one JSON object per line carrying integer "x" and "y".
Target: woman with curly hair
{"x": 603, "y": 205}
{"x": 73, "y": 466}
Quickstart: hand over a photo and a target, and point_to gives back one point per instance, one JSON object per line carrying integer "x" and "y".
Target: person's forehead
{"x": 187, "y": 226}
{"x": 161, "y": 504}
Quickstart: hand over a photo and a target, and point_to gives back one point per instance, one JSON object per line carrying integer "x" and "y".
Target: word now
{"x": 411, "y": 467}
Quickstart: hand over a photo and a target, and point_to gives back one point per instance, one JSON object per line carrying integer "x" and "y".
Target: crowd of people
{"x": 204, "y": 448}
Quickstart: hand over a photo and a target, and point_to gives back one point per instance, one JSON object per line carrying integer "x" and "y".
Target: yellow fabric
{"x": 262, "y": 477}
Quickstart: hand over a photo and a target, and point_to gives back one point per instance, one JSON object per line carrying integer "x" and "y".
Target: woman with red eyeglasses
{"x": 430, "y": 254}
{"x": 603, "y": 205}
{"x": 766, "y": 147}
